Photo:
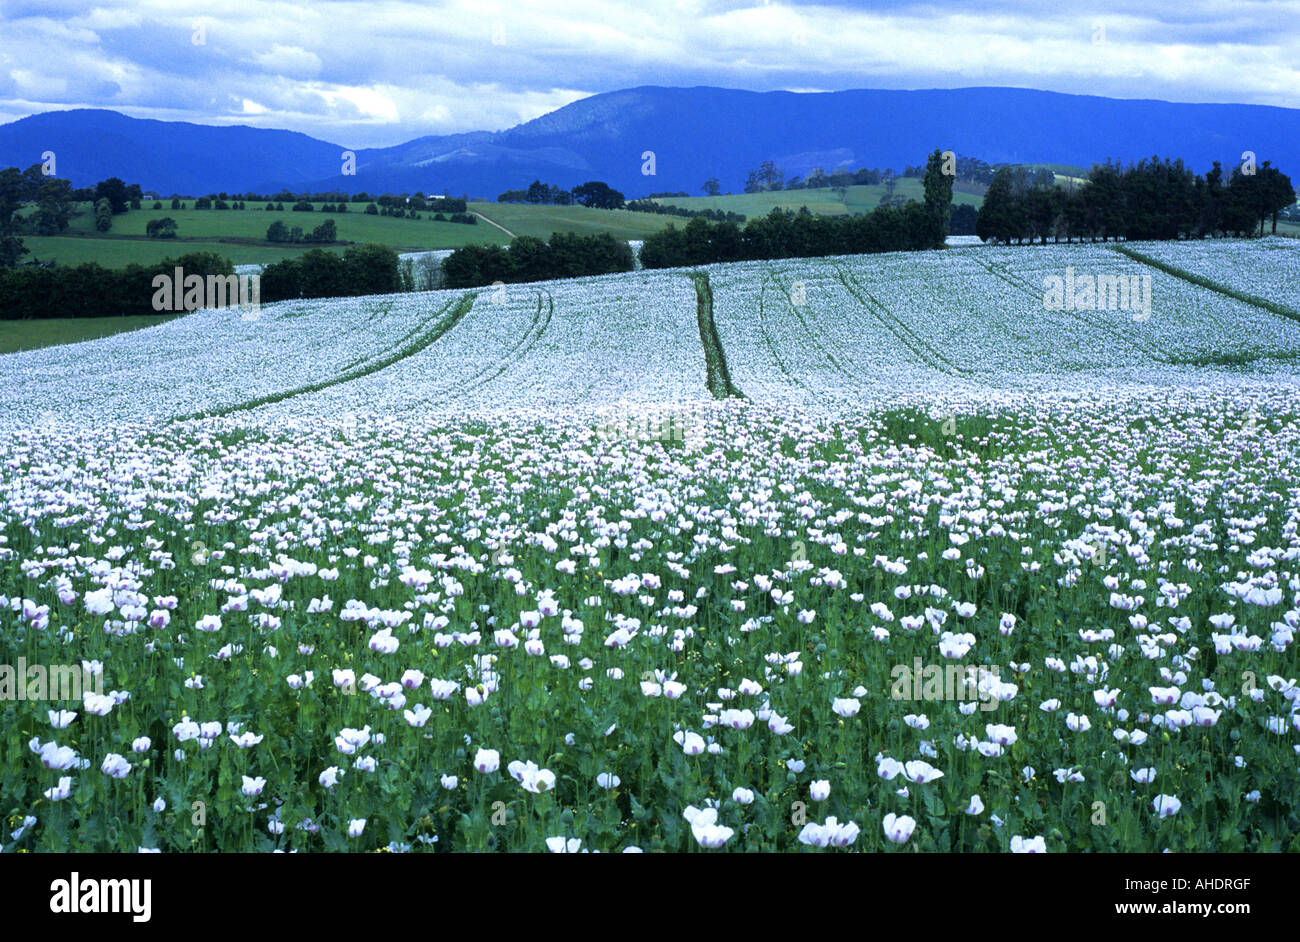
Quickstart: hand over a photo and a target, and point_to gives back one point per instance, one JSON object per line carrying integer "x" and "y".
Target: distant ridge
{"x": 693, "y": 133}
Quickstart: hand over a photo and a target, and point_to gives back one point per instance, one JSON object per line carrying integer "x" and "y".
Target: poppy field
{"x": 942, "y": 568}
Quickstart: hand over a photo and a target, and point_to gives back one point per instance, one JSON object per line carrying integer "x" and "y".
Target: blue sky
{"x": 376, "y": 72}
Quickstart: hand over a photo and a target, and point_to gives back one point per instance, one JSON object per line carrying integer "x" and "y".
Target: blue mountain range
{"x": 685, "y": 135}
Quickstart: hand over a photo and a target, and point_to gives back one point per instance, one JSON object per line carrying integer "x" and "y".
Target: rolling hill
{"x": 694, "y": 134}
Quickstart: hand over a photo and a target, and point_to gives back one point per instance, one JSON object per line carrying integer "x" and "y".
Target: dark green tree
{"x": 164, "y": 228}
{"x": 325, "y": 232}
{"x": 53, "y": 207}
{"x": 115, "y": 191}
{"x": 530, "y": 259}
{"x": 963, "y": 220}
{"x": 12, "y": 188}
{"x": 598, "y": 195}
{"x": 370, "y": 269}
{"x": 938, "y": 197}
{"x": 766, "y": 177}
{"x": 1000, "y": 216}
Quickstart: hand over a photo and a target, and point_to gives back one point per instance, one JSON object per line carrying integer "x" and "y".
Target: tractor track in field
{"x": 818, "y": 392}
{"x": 497, "y": 224}
{"x": 414, "y": 342}
{"x": 913, "y": 341}
{"x": 772, "y": 348}
{"x": 1182, "y": 274}
{"x": 1027, "y": 287}
{"x": 717, "y": 378}
{"x": 814, "y": 336}
{"x": 541, "y": 321}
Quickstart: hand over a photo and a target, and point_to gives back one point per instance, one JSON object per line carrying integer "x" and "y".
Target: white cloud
{"x": 103, "y": 19}
{"x": 292, "y": 61}
{"x": 372, "y": 72}
{"x": 370, "y": 103}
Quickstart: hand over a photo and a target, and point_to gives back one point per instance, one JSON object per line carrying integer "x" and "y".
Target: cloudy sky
{"x": 376, "y": 72}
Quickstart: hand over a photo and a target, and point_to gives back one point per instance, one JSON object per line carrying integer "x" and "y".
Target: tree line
{"x": 783, "y": 234}
{"x": 449, "y": 210}
{"x": 594, "y": 194}
{"x": 362, "y": 269}
{"x": 1153, "y": 199}
{"x": 90, "y": 290}
{"x": 53, "y": 200}
{"x": 963, "y": 220}
{"x": 418, "y": 200}
{"x": 279, "y": 232}
{"x": 648, "y": 205}
{"x": 384, "y": 206}
{"x": 768, "y": 177}
{"x": 967, "y": 169}
{"x": 528, "y": 258}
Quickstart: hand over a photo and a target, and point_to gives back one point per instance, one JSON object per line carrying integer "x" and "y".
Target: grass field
{"x": 119, "y": 252}
{"x": 823, "y": 201}
{"x": 241, "y": 234}
{"x": 541, "y": 221}
{"x": 940, "y": 567}
{"x": 31, "y": 335}
{"x": 251, "y": 224}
